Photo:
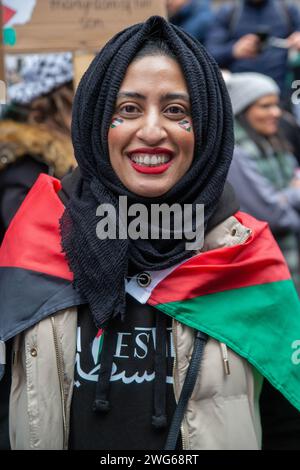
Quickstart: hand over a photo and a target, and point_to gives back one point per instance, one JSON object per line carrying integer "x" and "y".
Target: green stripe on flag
{"x": 260, "y": 323}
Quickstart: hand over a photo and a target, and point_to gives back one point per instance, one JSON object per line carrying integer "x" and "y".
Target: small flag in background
{"x": 7, "y": 13}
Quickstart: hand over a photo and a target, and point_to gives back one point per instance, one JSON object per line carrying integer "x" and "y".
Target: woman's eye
{"x": 129, "y": 109}
{"x": 175, "y": 110}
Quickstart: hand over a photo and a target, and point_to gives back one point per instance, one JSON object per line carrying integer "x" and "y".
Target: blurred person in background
{"x": 264, "y": 171}
{"x": 193, "y": 16}
{"x": 35, "y": 129}
{"x": 288, "y": 124}
{"x": 240, "y": 37}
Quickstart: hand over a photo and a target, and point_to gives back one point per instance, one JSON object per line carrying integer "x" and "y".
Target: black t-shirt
{"x": 128, "y": 424}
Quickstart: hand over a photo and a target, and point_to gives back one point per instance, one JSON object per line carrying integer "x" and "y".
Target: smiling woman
{"x": 167, "y": 336}
{"x": 152, "y": 122}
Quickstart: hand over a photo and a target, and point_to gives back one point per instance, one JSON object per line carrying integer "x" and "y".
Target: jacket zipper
{"x": 59, "y": 362}
{"x": 183, "y": 440}
{"x": 225, "y": 358}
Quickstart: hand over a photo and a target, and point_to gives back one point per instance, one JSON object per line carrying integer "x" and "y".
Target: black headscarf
{"x": 101, "y": 266}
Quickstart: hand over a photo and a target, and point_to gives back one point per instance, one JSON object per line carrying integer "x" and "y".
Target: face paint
{"x": 116, "y": 122}
{"x": 186, "y": 125}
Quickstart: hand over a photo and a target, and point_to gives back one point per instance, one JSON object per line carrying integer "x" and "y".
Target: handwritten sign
{"x": 73, "y": 25}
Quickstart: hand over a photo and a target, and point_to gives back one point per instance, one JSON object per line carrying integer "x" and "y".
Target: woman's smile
{"x": 151, "y": 160}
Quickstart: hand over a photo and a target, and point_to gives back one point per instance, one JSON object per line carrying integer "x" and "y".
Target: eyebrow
{"x": 167, "y": 96}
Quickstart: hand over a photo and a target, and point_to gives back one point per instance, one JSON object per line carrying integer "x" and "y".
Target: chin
{"x": 149, "y": 192}
{"x": 269, "y": 131}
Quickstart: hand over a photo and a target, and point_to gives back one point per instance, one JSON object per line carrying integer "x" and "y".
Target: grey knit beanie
{"x": 246, "y": 88}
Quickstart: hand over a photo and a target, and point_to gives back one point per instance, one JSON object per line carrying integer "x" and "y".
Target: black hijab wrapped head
{"x": 100, "y": 266}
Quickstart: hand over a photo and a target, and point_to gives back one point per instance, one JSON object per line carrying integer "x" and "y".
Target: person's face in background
{"x": 151, "y": 139}
{"x": 173, "y": 6}
{"x": 263, "y": 116}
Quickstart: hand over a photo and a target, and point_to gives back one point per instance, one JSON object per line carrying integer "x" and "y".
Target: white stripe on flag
{"x": 142, "y": 294}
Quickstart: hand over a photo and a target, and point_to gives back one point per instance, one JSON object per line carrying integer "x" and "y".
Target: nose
{"x": 151, "y": 130}
{"x": 276, "y": 111}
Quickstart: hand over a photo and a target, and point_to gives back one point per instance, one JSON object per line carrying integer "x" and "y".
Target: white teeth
{"x": 150, "y": 160}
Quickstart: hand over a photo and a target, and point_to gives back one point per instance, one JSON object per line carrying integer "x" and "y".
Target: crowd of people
{"x": 260, "y": 37}
{"x": 154, "y": 119}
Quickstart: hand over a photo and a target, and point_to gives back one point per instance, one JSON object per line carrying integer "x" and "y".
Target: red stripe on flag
{"x": 257, "y": 261}
{"x": 32, "y": 240}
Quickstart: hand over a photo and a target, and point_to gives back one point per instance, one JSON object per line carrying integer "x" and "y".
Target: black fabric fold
{"x": 28, "y": 296}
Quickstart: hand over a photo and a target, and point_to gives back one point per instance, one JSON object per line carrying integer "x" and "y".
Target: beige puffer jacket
{"x": 222, "y": 412}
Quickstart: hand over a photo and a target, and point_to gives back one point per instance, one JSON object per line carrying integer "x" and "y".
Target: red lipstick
{"x": 154, "y": 170}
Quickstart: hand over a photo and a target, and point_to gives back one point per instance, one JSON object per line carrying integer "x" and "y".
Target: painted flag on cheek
{"x": 116, "y": 122}
{"x": 185, "y": 125}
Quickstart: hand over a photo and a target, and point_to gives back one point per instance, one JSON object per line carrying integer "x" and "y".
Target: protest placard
{"x": 70, "y": 25}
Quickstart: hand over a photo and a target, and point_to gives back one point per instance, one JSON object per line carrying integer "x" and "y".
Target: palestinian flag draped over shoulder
{"x": 35, "y": 280}
{"x": 241, "y": 295}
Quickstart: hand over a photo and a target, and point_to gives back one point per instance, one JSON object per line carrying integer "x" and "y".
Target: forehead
{"x": 154, "y": 74}
{"x": 272, "y": 98}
